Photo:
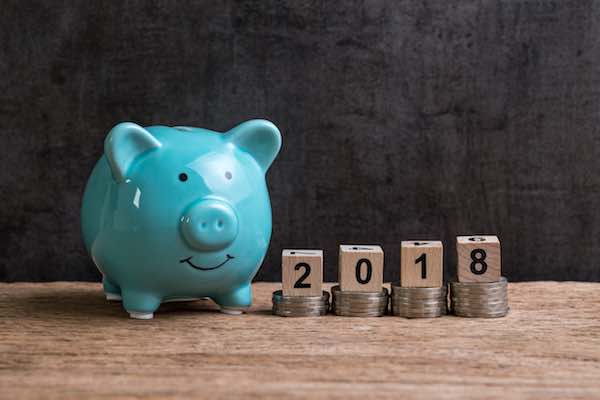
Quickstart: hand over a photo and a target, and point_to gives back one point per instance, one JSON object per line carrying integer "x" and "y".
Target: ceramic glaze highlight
{"x": 172, "y": 213}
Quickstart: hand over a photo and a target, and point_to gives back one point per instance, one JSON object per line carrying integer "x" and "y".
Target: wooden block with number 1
{"x": 478, "y": 258}
{"x": 421, "y": 263}
{"x": 302, "y": 272}
{"x": 360, "y": 268}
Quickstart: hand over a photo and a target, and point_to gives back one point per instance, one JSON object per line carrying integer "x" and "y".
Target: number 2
{"x": 300, "y": 282}
{"x": 423, "y": 260}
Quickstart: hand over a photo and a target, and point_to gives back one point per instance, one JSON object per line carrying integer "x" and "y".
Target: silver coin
{"x": 457, "y": 309}
{"x": 364, "y": 302}
{"x": 474, "y": 314}
{"x": 337, "y": 292}
{"x": 462, "y": 310}
{"x": 359, "y": 304}
{"x": 480, "y": 302}
{"x": 419, "y": 306}
{"x": 420, "y": 314}
{"x": 398, "y": 286}
{"x": 375, "y": 300}
{"x": 358, "y": 313}
{"x": 476, "y": 300}
{"x": 475, "y": 290}
{"x": 418, "y": 299}
{"x": 412, "y": 314}
{"x": 337, "y": 307}
{"x": 349, "y": 311}
{"x": 502, "y": 283}
{"x": 473, "y": 295}
{"x": 298, "y": 299}
{"x": 301, "y": 309}
{"x": 477, "y": 309}
{"x": 458, "y": 296}
{"x": 417, "y": 302}
{"x": 418, "y": 293}
{"x": 302, "y": 313}
{"x": 306, "y": 313}
{"x": 479, "y": 299}
{"x": 409, "y": 311}
{"x": 324, "y": 307}
{"x": 279, "y": 297}
{"x": 375, "y": 304}
{"x": 413, "y": 291}
{"x": 300, "y": 306}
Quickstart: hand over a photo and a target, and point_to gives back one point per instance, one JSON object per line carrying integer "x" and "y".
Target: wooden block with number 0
{"x": 302, "y": 272}
{"x": 421, "y": 263}
{"x": 478, "y": 258}
{"x": 360, "y": 268}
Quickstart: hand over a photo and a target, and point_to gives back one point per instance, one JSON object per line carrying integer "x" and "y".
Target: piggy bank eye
{"x": 183, "y": 177}
{"x": 228, "y": 175}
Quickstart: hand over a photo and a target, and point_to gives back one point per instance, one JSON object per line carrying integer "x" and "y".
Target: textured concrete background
{"x": 401, "y": 120}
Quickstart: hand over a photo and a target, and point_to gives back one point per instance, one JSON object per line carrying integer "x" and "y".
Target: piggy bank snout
{"x": 209, "y": 225}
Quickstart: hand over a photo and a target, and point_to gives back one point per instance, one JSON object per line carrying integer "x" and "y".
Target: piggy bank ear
{"x": 125, "y": 143}
{"x": 258, "y": 137}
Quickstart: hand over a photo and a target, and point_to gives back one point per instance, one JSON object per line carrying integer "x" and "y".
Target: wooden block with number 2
{"x": 478, "y": 258}
{"x": 421, "y": 263}
{"x": 302, "y": 272}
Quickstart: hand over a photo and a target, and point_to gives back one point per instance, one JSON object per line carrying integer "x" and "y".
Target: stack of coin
{"x": 419, "y": 302}
{"x": 479, "y": 299}
{"x": 300, "y": 306}
{"x": 359, "y": 304}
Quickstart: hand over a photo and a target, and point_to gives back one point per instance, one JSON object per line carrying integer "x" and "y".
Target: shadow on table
{"x": 82, "y": 303}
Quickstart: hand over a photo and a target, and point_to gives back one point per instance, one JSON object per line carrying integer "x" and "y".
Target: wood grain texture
{"x": 294, "y": 268}
{"x": 64, "y": 341}
{"x": 411, "y": 271}
{"x": 370, "y": 257}
{"x": 487, "y": 250}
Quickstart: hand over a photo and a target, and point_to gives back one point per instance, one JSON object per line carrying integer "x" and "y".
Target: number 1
{"x": 423, "y": 260}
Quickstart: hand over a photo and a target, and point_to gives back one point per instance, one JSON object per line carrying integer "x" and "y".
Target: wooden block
{"x": 421, "y": 263}
{"x": 302, "y": 272}
{"x": 478, "y": 258}
{"x": 360, "y": 268}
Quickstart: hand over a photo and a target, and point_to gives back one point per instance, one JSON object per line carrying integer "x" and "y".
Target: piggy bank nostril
{"x": 203, "y": 225}
{"x": 220, "y": 224}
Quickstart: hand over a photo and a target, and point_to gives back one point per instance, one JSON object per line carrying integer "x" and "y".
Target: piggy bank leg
{"x": 235, "y": 302}
{"x": 140, "y": 305}
{"x": 112, "y": 291}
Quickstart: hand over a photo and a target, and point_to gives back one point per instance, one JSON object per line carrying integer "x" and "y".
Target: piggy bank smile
{"x": 203, "y": 268}
{"x": 163, "y": 194}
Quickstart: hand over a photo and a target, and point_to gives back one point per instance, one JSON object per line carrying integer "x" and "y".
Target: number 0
{"x": 369, "y": 273}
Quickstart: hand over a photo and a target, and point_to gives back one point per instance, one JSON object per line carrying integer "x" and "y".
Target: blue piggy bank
{"x": 177, "y": 213}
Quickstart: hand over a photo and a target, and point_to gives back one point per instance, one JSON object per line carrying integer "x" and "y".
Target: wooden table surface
{"x": 63, "y": 340}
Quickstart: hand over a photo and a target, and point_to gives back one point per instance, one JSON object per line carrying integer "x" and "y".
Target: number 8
{"x": 478, "y": 260}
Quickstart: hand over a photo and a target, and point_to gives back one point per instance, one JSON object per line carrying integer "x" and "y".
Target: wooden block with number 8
{"x": 478, "y": 258}
{"x": 360, "y": 268}
{"x": 302, "y": 272}
{"x": 421, "y": 263}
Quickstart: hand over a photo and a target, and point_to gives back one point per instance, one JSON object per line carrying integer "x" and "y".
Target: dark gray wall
{"x": 401, "y": 120}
